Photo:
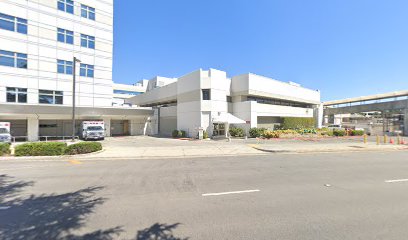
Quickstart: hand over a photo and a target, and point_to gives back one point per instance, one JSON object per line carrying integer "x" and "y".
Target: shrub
{"x": 339, "y": 133}
{"x": 205, "y": 135}
{"x": 307, "y": 131}
{"x": 325, "y": 132}
{"x": 236, "y": 132}
{"x": 357, "y": 132}
{"x": 176, "y": 134}
{"x": 83, "y": 147}
{"x": 4, "y": 149}
{"x": 183, "y": 134}
{"x": 256, "y": 132}
{"x": 40, "y": 149}
{"x": 297, "y": 123}
{"x": 271, "y": 134}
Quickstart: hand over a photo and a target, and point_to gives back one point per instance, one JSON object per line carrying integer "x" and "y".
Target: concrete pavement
{"x": 149, "y": 147}
{"x": 301, "y": 196}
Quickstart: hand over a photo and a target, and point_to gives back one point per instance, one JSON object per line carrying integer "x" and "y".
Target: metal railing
{"x": 50, "y": 138}
{"x": 15, "y": 138}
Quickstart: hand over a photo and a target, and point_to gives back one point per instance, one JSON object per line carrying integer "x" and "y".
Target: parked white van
{"x": 94, "y": 130}
{"x": 5, "y": 135}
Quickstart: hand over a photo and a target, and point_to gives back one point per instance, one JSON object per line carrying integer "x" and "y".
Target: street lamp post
{"x": 73, "y": 96}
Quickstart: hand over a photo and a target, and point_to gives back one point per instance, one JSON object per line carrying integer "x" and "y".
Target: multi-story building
{"x": 121, "y": 92}
{"x": 211, "y": 101}
{"x": 38, "y": 41}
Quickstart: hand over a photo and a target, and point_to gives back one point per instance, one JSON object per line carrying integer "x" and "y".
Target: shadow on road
{"x": 54, "y": 216}
{"x": 158, "y": 232}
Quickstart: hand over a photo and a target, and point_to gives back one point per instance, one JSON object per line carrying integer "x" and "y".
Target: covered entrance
{"x": 222, "y": 122}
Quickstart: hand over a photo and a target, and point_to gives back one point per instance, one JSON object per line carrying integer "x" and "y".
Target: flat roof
{"x": 368, "y": 98}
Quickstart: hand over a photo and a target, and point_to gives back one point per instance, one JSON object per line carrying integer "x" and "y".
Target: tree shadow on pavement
{"x": 158, "y": 232}
{"x": 47, "y": 216}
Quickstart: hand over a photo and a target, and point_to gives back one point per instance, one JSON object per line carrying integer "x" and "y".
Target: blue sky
{"x": 345, "y": 48}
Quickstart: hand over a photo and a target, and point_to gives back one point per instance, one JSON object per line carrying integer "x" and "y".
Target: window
{"x": 14, "y": 24}
{"x": 65, "y": 36}
{"x": 18, "y": 95}
{"x": 87, "y": 41}
{"x": 50, "y": 97}
{"x": 86, "y": 70}
{"x": 206, "y": 94}
{"x": 64, "y": 67}
{"x": 229, "y": 99}
{"x": 126, "y": 92}
{"x": 66, "y": 6}
{"x": 87, "y": 12}
{"x": 12, "y": 59}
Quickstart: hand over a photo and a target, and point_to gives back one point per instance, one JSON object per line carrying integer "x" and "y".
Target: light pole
{"x": 73, "y": 96}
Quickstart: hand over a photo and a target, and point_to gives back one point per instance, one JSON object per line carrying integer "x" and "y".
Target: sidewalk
{"x": 143, "y": 147}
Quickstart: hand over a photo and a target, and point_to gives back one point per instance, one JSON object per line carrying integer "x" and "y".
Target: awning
{"x": 227, "y": 118}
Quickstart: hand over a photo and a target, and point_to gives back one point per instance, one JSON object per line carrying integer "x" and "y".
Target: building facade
{"x": 38, "y": 41}
{"x": 379, "y": 114}
{"x": 122, "y": 92}
{"x": 207, "y": 99}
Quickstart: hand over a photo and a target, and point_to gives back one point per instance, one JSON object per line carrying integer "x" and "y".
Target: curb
{"x": 330, "y": 150}
{"x": 51, "y": 157}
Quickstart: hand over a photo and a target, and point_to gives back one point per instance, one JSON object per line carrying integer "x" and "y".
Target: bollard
{"x": 378, "y": 140}
{"x": 365, "y": 138}
{"x": 391, "y": 141}
{"x": 398, "y": 140}
{"x": 385, "y": 139}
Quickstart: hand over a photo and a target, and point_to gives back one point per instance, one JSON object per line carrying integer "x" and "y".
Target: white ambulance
{"x": 93, "y": 130}
{"x": 5, "y": 135}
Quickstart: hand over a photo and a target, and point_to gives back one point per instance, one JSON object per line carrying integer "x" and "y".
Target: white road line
{"x": 4, "y": 208}
{"x": 396, "y": 180}
{"x": 226, "y": 193}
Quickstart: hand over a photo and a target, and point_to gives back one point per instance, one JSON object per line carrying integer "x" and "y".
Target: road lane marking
{"x": 396, "y": 180}
{"x": 226, "y": 193}
{"x": 4, "y": 208}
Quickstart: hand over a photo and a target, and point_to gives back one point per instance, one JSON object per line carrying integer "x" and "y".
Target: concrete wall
{"x": 251, "y": 84}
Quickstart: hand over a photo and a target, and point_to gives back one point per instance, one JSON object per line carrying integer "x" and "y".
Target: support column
{"x": 406, "y": 122}
{"x": 318, "y": 115}
{"x": 107, "y": 122}
{"x": 33, "y": 129}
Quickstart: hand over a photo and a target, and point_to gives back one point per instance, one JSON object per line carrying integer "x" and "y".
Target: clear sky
{"x": 345, "y": 48}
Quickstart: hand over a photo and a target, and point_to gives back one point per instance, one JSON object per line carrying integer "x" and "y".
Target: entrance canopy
{"x": 227, "y": 118}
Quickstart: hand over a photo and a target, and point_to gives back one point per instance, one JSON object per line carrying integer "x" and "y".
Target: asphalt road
{"x": 278, "y": 196}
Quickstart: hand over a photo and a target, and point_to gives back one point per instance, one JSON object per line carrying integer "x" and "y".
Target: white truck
{"x": 93, "y": 130}
{"x": 5, "y": 135}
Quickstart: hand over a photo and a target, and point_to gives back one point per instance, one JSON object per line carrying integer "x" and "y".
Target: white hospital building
{"x": 40, "y": 38}
{"x": 209, "y": 100}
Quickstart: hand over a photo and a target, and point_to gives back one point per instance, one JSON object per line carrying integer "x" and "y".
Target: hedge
{"x": 177, "y": 134}
{"x": 83, "y": 147}
{"x": 297, "y": 123}
{"x": 236, "y": 132}
{"x": 40, "y": 149}
{"x": 4, "y": 149}
{"x": 339, "y": 133}
{"x": 357, "y": 132}
{"x": 256, "y": 132}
